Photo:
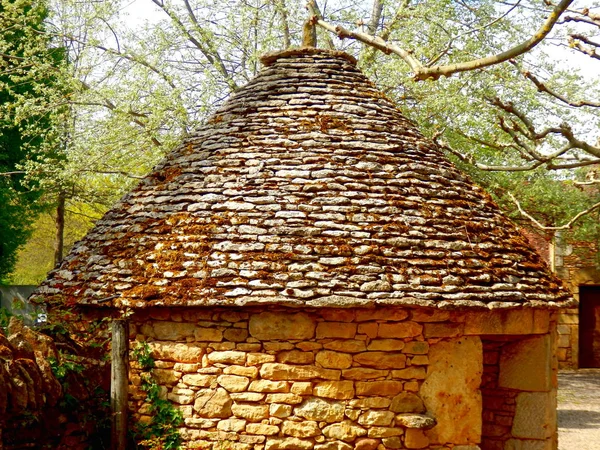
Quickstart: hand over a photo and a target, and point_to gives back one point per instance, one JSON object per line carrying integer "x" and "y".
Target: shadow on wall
{"x": 13, "y": 299}
{"x": 578, "y": 418}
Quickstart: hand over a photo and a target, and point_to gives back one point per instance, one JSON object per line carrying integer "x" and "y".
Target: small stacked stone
{"x": 324, "y": 379}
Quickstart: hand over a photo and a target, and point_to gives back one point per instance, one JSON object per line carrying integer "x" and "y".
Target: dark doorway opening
{"x": 589, "y": 326}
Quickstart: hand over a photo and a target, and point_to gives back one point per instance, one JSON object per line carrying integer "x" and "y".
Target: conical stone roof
{"x": 308, "y": 187}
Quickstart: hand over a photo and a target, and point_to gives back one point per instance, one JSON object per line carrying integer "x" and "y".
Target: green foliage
{"x": 162, "y": 433}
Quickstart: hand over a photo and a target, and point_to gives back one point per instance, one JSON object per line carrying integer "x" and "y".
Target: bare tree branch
{"x": 281, "y": 8}
{"x": 375, "y": 17}
{"x": 422, "y": 73}
{"x": 314, "y": 10}
{"x": 566, "y": 226}
{"x": 15, "y": 172}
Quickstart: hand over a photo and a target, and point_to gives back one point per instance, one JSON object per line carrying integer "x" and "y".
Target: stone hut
{"x": 310, "y": 272}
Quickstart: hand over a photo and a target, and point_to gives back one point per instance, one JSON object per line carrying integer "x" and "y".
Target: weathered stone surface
{"x": 366, "y": 444}
{"x": 345, "y": 431}
{"x": 383, "y": 432}
{"x": 376, "y": 418}
{"x": 346, "y": 346}
{"x": 361, "y": 373}
{"x": 334, "y": 360}
{"x": 166, "y": 376}
{"x": 416, "y": 347}
{"x": 252, "y": 413}
{"x": 392, "y": 442}
{"x": 208, "y": 335}
{"x": 288, "y": 444}
{"x": 526, "y": 364}
{"x": 168, "y": 331}
{"x": 269, "y": 386}
{"x": 370, "y": 402}
{"x": 385, "y": 388}
{"x": 455, "y": 368}
{"x": 262, "y": 429}
{"x": 295, "y": 357}
{"x": 213, "y": 404}
{"x": 181, "y": 396}
{"x": 535, "y": 417}
{"x": 233, "y": 383}
{"x": 235, "y": 334}
{"x": 227, "y": 357}
{"x": 395, "y": 314}
{"x": 336, "y": 330}
{"x": 287, "y": 398}
{"x": 255, "y": 359}
{"x": 302, "y": 388}
{"x": 527, "y": 444}
{"x": 235, "y": 425}
{"x": 388, "y": 345}
{"x": 304, "y": 429}
{"x": 199, "y": 380}
{"x": 415, "y": 438}
{"x": 281, "y": 326}
{"x": 407, "y": 402}
{"x": 321, "y": 410}
{"x": 381, "y": 360}
{"x": 339, "y": 390}
{"x": 275, "y": 371}
{"x": 417, "y": 373}
{"x": 443, "y": 330}
{"x": 179, "y": 352}
{"x": 415, "y": 421}
{"x": 399, "y": 330}
{"x": 250, "y": 372}
{"x": 247, "y": 396}
{"x": 280, "y": 410}
{"x": 334, "y": 445}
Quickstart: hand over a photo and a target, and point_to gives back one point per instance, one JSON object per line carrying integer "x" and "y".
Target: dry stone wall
{"x": 324, "y": 379}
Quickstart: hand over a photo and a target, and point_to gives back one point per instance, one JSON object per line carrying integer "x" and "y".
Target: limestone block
{"x": 416, "y": 347}
{"x": 208, "y": 335}
{"x": 186, "y": 368}
{"x": 334, "y": 360}
{"x": 281, "y": 326}
{"x": 370, "y": 402}
{"x": 336, "y": 330}
{"x": 339, "y": 390}
{"x": 302, "y": 388}
{"x": 166, "y": 376}
{"x": 370, "y": 329}
{"x": 352, "y": 414}
{"x": 262, "y": 429}
{"x": 269, "y": 386}
{"x": 430, "y": 315}
{"x": 525, "y": 365}
{"x": 346, "y": 346}
{"x": 399, "y": 330}
{"x": 193, "y": 422}
{"x": 381, "y": 360}
{"x": 366, "y": 444}
{"x": 213, "y": 403}
{"x": 179, "y": 352}
{"x": 250, "y": 372}
{"x": 334, "y": 445}
{"x": 200, "y": 380}
{"x": 292, "y": 443}
{"x": 407, "y": 402}
{"x": 233, "y": 383}
{"x": 235, "y": 334}
{"x": 252, "y": 413}
{"x": 321, "y": 410}
{"x": 361, "y": 373}
{"x": 525, "y": 444}
{"x": 535, "y": 417}
{"x": 392, "y": 442}
{"x": 274, "y": 346}
{"x": 181, "y": 396}
{"x": 383, "y": 432}
{"x": 275, "y": 371}
{"x": 442, "y": 329}
{"x": 507, "y": 322}
{"x": 287, "y": 398}
{"x": 304, "y": 429}
{"x": 419, "y": 360}
{"x": 280, "y": 410}
{"x": 346, "y": 431}
{"x": 385, "y": 388}
{"x": 256, "y": 359}
{"x": 417, "y": 373}
{"x": 247, "y": 396}
{"x": 415, "y": 421}
{"x": 296, "y": 357}
{"x": 541, "y": 321}
{"x": 415, "y": 438}
{"x": 376, "y": 418}
{"x": 227, "y": 357}
{"x": 393, "y": 314}
{"x": 338, "y": 315}
{"x": 169, "y": 331}
{"x": 309, "y": 346}
{"x": 235, "y": 425}
{"x": 455, "y": 368}
{"x": 388, "y": 345}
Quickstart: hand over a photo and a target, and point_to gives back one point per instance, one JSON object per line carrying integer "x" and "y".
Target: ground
{"x": 579, "y": 410}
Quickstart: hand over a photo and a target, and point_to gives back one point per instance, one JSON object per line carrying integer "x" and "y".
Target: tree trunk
{"x": 118, "y": 384}
{"x": 60, "y": 229}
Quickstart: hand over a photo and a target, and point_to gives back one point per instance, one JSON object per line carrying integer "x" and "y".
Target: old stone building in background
{"x": 310, "y": 272}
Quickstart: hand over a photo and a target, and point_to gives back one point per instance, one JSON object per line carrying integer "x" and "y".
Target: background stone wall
{"x": 328, "y": 379}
